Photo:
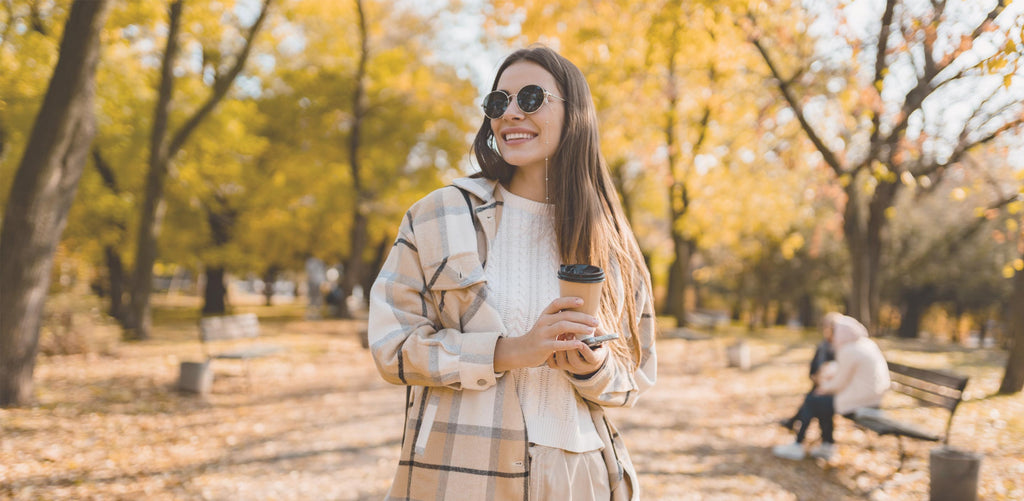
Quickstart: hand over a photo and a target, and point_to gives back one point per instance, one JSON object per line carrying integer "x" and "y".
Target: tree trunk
{"x": 883, "y": 198}
{"x": 115, "y": 272}
{"x": 269, "y": 277}
{"x": 41, "y": 195}
{"x": 916, "y": 303}
{"x": 678, "y": 278}
{"x": 983, "y": 331}
{"x": 220, "y": 217}
{"x": 1013, "y": 378}
{"x": 856, "y": 245}
{"x": 215, "y": 293}
{"x": 781, "y": 314}
{"x": 111, "y": 255}
{"x": 805, "y": 309}
{"x": 162, "y": 150}
{"x": 380, "y": 253}
{"x": 138, "y": 321}
{"x": 354, "y": 266}
{"x": 679, "y": 202}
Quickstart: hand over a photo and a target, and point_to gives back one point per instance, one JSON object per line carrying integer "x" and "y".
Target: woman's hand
{"x": 581, "y": 362}
{"x": 558, "y": 330}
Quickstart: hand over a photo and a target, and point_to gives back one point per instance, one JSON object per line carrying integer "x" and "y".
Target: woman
{"x": 860, "y": 379}
{"x": 503, "y": 399}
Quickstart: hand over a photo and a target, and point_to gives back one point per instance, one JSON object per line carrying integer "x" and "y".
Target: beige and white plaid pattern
{"x": 432, "y": 328}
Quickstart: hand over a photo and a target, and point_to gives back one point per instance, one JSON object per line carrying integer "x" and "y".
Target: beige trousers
{"x": 557, "y": 474}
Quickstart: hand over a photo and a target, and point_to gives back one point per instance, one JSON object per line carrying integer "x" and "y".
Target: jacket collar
{"x": 480, "y": 187}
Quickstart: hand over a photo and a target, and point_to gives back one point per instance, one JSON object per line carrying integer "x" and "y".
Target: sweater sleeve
{"x": 617, "y": 383}
{"x": 847, "y": 360}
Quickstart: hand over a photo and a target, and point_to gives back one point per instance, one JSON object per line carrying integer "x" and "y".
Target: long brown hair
{"x": 589, "y": 222}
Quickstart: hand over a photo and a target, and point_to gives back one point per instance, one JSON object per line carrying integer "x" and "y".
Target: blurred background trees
{"x": 776, "y": 159}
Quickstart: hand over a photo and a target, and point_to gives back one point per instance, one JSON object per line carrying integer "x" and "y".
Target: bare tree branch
{"x": 221, "y": 85}
{"x": 830, "y": 157}
{"x": 997, "y": 9}
{"x": 881, "y": 68}
{"x": 106, "y": 172}
{"x": 926, "y": 85}
{"x": 951, "y": 244}
{"x": 965, "y": 146}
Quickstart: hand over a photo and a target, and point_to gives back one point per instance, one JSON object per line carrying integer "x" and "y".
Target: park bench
{"x": 706, "y": 319}
{"x": 934, "y": 388}
{"x": 224, "y": 337}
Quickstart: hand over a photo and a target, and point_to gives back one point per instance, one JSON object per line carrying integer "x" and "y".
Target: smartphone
{"x": 594, "y": 342}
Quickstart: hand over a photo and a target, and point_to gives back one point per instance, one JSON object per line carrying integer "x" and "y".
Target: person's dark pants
{"x": 821, "y": 407}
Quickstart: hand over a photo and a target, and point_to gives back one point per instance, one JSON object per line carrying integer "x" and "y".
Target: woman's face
{"x": 526, "y": 140}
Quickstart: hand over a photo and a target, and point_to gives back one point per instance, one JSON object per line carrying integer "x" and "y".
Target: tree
{"x": 358, "y": 234}
{"x": 1013, "y": 378}
{"x": 100, "y": 223}
{"x": 43, "y": 189}
{"x": 880, "y": 121}
{"x": 941, "y": 247}
{"x": 164, "y": 145}
{"x": 341, "y": 170}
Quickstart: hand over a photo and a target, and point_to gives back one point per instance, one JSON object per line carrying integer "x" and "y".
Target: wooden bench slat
{"x": 929, "y": 397}
{"x": 939, "y": 377}
{"x": 229, "y": 327}
{"x": 250, "y": 352}
{"x": 885, "y": 426}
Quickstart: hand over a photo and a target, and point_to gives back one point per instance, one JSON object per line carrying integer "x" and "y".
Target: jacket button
{"x": 481, "y": 382}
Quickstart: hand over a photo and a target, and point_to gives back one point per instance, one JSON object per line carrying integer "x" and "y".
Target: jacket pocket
{"x": 454, "y": 272}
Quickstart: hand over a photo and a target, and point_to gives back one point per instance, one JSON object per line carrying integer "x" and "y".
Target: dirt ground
{"x": 315, "y": 421}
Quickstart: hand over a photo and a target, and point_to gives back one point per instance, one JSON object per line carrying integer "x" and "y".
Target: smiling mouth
{"x": 517, "y": 136}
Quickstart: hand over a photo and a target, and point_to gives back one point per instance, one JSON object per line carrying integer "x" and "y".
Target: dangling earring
{"x": 547, "y": 140}
{"x": 546, "y": 199}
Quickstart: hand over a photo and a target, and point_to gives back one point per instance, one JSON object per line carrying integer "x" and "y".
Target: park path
{"x": 703, "y": 432}
{"x": 319, "y": 423}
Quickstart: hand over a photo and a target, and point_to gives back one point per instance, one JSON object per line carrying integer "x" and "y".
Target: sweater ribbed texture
{"x": 521, "y": 275}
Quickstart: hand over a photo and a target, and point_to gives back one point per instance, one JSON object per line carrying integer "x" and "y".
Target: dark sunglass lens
{"x": 495, "y": 104}
{"x": 530, "y": 98}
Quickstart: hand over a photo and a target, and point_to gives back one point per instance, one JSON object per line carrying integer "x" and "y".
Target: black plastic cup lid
{"x": 581, "y": 273}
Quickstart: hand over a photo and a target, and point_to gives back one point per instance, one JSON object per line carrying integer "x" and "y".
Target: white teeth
{"x": 517, "y": 135}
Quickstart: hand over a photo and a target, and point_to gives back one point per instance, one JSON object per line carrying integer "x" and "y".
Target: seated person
{"x": 861, "y": 378}
{"x": 823, "y": 354}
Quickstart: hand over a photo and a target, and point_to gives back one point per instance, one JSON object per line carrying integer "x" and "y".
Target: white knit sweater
{"x": 521, "y": 274}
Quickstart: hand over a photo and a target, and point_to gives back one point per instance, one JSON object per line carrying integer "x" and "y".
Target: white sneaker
{"x": 824, "y": 451}
{"x": 794, "y": 451}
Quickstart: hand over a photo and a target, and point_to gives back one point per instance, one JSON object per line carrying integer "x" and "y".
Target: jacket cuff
{"x": 596, "y": 381}
{"x": 476, "y": 360}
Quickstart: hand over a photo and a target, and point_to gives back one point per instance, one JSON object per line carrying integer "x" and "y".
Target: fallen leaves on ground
{"x": 315, "y": 421}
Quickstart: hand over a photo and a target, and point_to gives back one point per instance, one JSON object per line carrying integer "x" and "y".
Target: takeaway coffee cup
{"x": 584, "y": 281}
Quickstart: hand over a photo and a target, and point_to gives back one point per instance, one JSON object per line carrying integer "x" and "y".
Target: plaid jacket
{"x": 433, "y": 328}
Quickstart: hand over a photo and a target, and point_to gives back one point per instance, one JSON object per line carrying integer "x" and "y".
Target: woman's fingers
{"x": 559, "y": 329}
{"x": 562, "y": 303}
{"x": 580, "y": 361}
{"x": 589, "y": 356}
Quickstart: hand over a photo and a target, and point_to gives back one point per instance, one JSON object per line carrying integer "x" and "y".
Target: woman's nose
{"x": 513, "y": 112}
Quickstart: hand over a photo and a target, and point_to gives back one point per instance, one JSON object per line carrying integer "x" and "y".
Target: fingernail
{"x": 579, "y": 301}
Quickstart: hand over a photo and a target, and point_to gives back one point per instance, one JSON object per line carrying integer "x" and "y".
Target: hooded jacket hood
{"x": 846, "y": 329}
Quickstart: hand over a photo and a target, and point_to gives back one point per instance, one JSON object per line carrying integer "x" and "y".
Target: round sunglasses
{"x": 529, "y": 99}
